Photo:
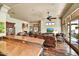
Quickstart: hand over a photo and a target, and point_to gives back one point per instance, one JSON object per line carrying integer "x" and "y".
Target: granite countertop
{"x": 27, "y": 38}
{"x": 13, "y": 48}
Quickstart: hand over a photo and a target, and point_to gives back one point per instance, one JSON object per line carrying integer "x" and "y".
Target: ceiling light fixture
{"x": 50, "y": 17}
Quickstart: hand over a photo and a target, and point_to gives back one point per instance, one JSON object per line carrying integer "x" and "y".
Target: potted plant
{"x": 77, "y": 35}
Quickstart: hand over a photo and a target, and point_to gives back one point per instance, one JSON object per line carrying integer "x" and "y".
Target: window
{"x": 50, "y": 23}
{"x": 73, "y": 31}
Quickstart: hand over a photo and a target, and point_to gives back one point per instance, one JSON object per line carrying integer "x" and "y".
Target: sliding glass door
{"x": 73, "y": 31}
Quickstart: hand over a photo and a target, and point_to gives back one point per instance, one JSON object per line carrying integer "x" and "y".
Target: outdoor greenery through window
{"x": 74, "y": 33}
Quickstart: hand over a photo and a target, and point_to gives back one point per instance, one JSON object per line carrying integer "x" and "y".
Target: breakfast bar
{"x": 26, "y": 39}
{"x": 22, "y": 46}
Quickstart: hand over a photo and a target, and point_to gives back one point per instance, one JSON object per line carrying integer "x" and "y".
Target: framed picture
{"x": 50, "y": 30}
{"x": 2, "y": 27}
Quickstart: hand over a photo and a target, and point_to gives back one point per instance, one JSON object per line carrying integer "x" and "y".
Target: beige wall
{"x": 18, "y": 24}
{"x": 57, "y": 26}
{"x": 4, "y": 17}
{"x": 3, "y": 12}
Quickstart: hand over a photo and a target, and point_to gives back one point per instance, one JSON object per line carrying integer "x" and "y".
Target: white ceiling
{"x": 35, "y": 11}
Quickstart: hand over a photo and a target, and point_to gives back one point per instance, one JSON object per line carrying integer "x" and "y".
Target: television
{"x": 50, "y": 30}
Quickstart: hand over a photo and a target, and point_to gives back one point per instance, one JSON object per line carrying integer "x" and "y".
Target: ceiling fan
{"x": 49, "y": 17}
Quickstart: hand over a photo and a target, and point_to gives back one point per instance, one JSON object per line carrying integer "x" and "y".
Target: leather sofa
{"x": 49, "y": 40}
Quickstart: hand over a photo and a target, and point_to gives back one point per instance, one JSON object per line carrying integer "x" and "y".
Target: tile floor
{"x": 58, "y": 51}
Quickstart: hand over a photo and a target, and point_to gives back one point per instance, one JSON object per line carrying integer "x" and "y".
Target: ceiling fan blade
{"x": 53, "y": 18}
